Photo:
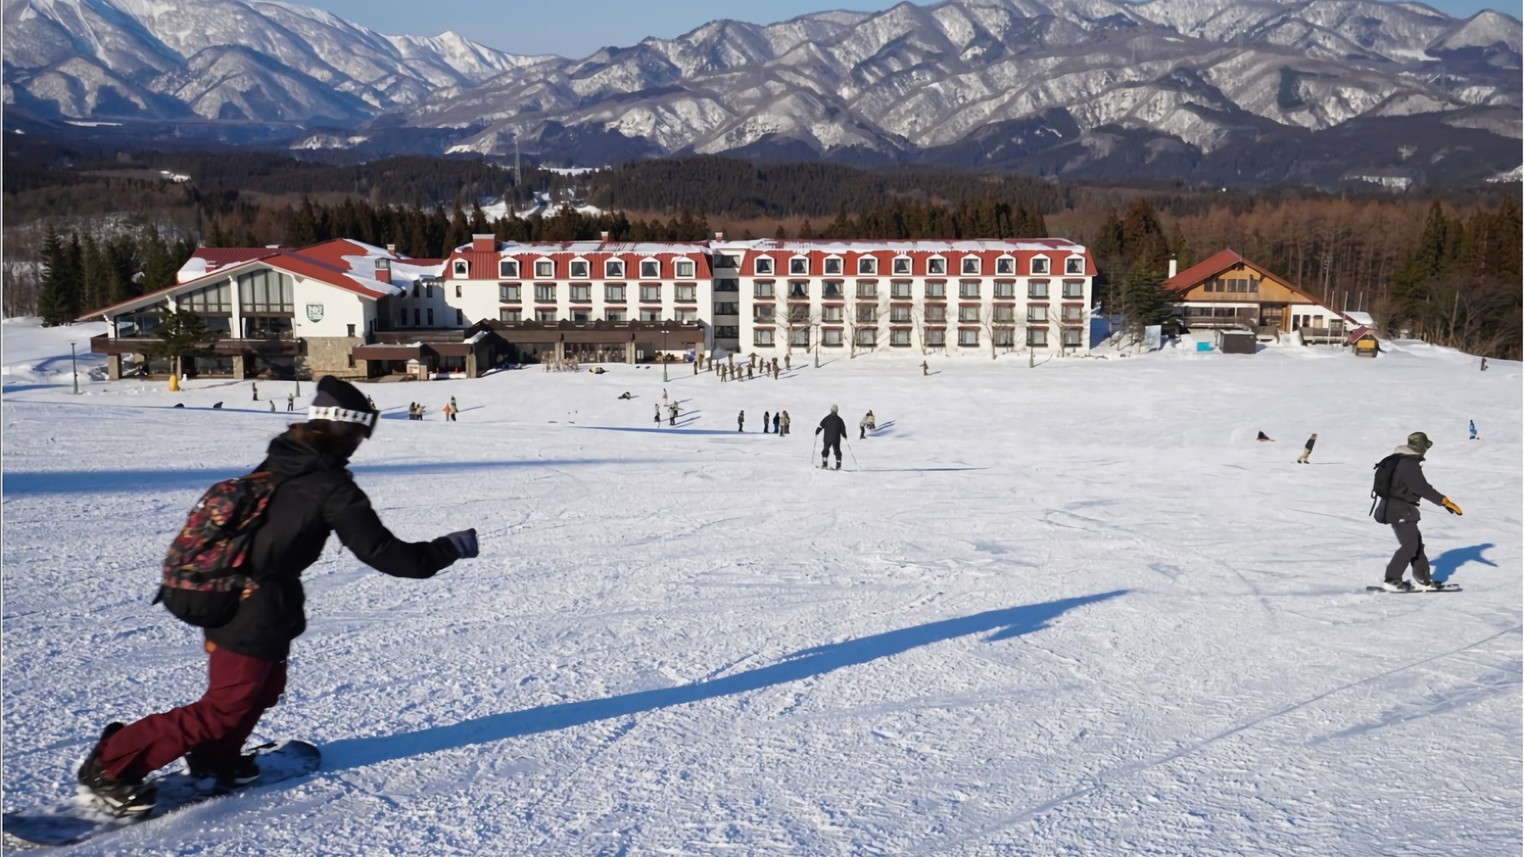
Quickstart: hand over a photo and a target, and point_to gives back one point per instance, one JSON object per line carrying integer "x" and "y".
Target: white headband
{"x": 336, "y": 414}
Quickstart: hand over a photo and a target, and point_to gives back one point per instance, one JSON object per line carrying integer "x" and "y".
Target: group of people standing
{"x": 415, "y": 410}
{"x": 778, "y": 422}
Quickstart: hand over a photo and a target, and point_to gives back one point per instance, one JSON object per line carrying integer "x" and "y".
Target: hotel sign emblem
{"x": 314, "y": 312}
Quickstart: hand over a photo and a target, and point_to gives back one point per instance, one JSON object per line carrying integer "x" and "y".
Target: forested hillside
{"x": 84, "y": 228}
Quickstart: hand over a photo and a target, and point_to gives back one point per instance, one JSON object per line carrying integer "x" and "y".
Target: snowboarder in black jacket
{"x": 1400, "y": 509}
{"x": 316, "y": 496}
{"x": 834, "y": 429}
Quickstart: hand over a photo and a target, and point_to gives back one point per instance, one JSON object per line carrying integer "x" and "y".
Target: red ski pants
{"x": 239, "y": 689}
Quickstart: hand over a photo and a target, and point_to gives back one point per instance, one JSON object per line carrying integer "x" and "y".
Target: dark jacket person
{"x": 1400, "y": 509}
{"x": 316, "y": 495}
{"x": 833, "y": 429}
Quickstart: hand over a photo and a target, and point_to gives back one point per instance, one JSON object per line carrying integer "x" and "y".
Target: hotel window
{"x": 457, "y": 290}
{"x": 1006, "y": 290}
{"x": 460, "y": 319}
{"x": 799, "y": 315}
{"x": 831, "y": 314}
{"x": 613, "y": 294}
{"x": 936, "y": 290}
{"x": 968, "y": 313}
{"x": 763, "y": 265}
{"x": 1037, "y": 289}
{"x": 544, "y": 268}
{"x": 1074, "y": 265}
{"x": 799, "y": 265}
{"x": 1074, "y": 289}
{"x": 867, "y": 289}
{"x": 831, "y": 338}
{"x": 762, "y": 289}
{"x": 763, "y": 312}
{"x": 650, "y": 315}
{"x": 867, "y": 265}
{"x": 650, "y": 293}
{"x": 900, "y": 338}
{"x": 899, "y": 314}
{"x": 762, "y": 337}
{"x": 867, "y": 313}
{"x": 1004, "y": 337}
{"x": 866, "y": 337}
{"x": 798, "y": 290}
{"x": 1005, "y": 314}
{"x": 1037, "y": 337}
{"x": 615, "y": 315}
{"x": 1037, "y": 313}
{"x": 507, "y": 268}
{"x": 581, "y": 293}
{"x": 462, "y": 268}
{"x": 1039, "y": 264}
{"x": 970, "y": 265}
{"x": 613, "y": 269}
{"x": 901, "y": 289}
{"x": 832, "y": 290}
{"x": 685, "y": 314}
{"x": 545, "y": 292}
{"x": 650, "y": 269}
{"x": 687, "y": 294}
{"x": 1005, "y": 265}
{"x": 683, "y": 269}
{"x": 936, "y": 266}
{"x": 725, "y": 260}
{"x": 510, "y": 316}
{"x": 968, "y": 338}
{"x": 1073, "y": 314}
{"x": 833, "y": 265}
{"x": 901, "y": 265}
{"x": 936, "y": 314}
{"x": 1072, "y": 339}
{"x": 578, "y": 269}
{"x": 545, "y": 316}
{"x": 936, "y": 337}
{"x": 968, "y": 289}
{"x": 800, "y": 338}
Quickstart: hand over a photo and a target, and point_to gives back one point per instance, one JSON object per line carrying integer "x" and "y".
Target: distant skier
{"x": 1264, "y": 438}
{"x": 788, "y": 425}
{"x": 834, "y": 430}
{"x": 290, "y": 402}
{"x": 866, "y": 425}
{"x": 658, "y": 416}
{"x": 254, "y": 387}
{"x": 741, "y": 421}
{"x": 672, "y": 414}
{"x": 247, "y": 657}
{"x": 766, "y": 420}
{"x": 1307, "y": 450}
{"x": 1400, "y": 509}
{"x": 1473, "y": 429}
{"x": 925, "y": 370}
{"x": 777, "y": 423}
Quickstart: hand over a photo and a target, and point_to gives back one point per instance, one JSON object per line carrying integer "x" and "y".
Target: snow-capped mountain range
{"x": 1315, "y": 91}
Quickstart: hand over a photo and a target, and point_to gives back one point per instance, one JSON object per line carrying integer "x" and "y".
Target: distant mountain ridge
{"x": 1321, "y": 92}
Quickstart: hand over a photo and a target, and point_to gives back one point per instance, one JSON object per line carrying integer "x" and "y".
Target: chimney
{"x": 384, "y": 270}
{"x": 1174, "y": 266}
{"x": 483, "y": 243}
{"x": 391, "y": 249}
{"x": 719, "y": 236}
{"x": 604, "y": 237}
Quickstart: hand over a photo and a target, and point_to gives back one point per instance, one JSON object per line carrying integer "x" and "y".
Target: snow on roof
{"x": 912, "y": 245}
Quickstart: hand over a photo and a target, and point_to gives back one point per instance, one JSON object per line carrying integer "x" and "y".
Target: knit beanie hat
{"x": 339, "y": 401}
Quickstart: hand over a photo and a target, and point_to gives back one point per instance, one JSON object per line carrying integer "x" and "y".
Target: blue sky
{"x": 576, "y": 28}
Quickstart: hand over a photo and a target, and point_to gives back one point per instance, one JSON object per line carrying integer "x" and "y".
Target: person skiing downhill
{"x": 246, "y": 667}
{"x": 1473, "y": 429}
{"x": 834, "y": 429}
{"x": 1307, "y": 450}
{"x": 1400, "y": 509}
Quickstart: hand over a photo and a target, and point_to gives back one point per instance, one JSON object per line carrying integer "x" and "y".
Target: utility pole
{"x": 74, "y": 367}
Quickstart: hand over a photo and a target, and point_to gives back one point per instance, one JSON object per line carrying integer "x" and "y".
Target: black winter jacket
{"x": 1409, "y": 486}
{"x": 834, "y": 428}
{"x": 317, "y": 495}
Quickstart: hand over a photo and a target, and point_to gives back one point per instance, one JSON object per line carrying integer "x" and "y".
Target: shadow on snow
{"x": 1000, "y": 624}
{"x": 1449, "y": 562}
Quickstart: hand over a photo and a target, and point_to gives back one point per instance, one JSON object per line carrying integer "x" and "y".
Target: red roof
{"x": 1210, "y": 267}
{"x": 219, "y": 256}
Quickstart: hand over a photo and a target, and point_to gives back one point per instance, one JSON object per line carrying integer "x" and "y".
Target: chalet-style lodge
{"x": 347, "y": 308}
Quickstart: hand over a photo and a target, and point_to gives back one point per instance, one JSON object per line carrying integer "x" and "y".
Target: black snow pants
{"x": 832, "y": 444}
{"x": 1409, "y": 552}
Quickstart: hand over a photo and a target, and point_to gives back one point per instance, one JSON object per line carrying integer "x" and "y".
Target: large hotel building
{"x": 347, "y": 308}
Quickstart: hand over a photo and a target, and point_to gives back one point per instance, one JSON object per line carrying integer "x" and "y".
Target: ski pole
{"x": 855, "y": 465}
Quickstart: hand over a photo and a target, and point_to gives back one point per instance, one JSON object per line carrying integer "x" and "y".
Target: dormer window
{"x": 936, "y": 266}
{"x": 1039, "y": 264}
{"x": 970, "y": 265}
{"x": 867, "y": 265}
{"x": 508, "y": 268}
{"x": 650, "y": 269}
{"x": 578, "y": 269}
{"x": 613, "y": 269}
{"x": 544, "y": 268}
{"x": 462, "y": 268}
{"x": 833, "y": 265}
{"x": 1005, "y": 265}
{"x": 799, "y": 265}
{"x": 764, "y": 265}
{"x": 683, "y": 268}
{"x": 901, "y": 265}
{"x": 1074, "y": 265}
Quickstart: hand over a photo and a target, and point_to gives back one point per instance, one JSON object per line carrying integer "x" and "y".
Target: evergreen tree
{"x": 182, "y": 334}
{"x": 58, "y": 301}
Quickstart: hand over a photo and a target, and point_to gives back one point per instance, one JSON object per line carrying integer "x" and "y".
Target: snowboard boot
{"x": 1427, "y": 585}
{"x": 838, "y": 464}
{"x": 123, "y": 796}
{"x": 1396, "y": 586}
{"x": 231, "y": 773}
{"x": 822, "y": 464}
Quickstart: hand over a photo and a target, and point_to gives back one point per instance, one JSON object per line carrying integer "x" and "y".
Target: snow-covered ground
{"x": 1072, "y": 609}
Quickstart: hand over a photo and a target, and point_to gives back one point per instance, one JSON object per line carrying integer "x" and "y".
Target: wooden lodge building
{"x": 1227, "y": 291}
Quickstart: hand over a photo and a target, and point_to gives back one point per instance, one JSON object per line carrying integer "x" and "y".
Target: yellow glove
{"x": 1454, "y": 509}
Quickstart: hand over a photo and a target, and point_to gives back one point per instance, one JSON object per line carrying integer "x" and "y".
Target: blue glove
{"x": 464, "y": 542}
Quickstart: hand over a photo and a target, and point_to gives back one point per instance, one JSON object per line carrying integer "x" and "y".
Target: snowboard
{"x": 1444, "y": 587}
{"x": 76, "y": 819}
